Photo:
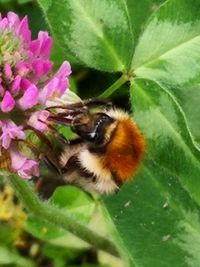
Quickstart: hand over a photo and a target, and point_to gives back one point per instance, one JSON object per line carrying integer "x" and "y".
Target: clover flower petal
{"x": 15, "y": 86}
{"x": 26, "y": 85}
{"x": 10, "y": 131}
{"x": 26, "y": 168}
{"x": 38, "y": 120}
{"x": 30, "y": 98}
{"x": 8, "y": 102}
{"x": 57, "y": 84}
{"x": 42, "y": 46}
{"x": 29, "y": 169}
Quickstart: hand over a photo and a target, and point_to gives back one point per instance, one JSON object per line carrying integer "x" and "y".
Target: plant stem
{"x": 49, "y": 213}
{"x": 110, "y": 90}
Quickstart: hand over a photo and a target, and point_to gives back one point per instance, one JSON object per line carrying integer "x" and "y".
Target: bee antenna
{"x": 60, "y": 120}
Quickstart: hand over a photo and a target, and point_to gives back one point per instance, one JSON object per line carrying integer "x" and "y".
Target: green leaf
{"x": 95, "y": 265}
{"x": 10, "y": 256}
{"x": 169, "y": 48}
{"x": 41, "y": 229}
{"x": 5, "y": 1}
{"x": 157, "y": 214}
{"x": 22, "y": 2}
{"x": 76, "y": 202}
{"x": 68, "y": 198}
{"x": 8, "y": 233}
{"x": 95, "y": 32}
{"x": 52, "y": 252}
{"x": 169, "y": 141}
{"x": 1, "y": 179}
{"x": 139, "y": 12}
{"x": 189, "y": 100}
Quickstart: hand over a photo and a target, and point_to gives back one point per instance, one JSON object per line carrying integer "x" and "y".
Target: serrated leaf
{"x": 158, "y": 214}
{"x": 169, "y": 48}
{"x": 189, "y": 100}
{"x": 95, "y": 32}
{"x": 169, "y": 141}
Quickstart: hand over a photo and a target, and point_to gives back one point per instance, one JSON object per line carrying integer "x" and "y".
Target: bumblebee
{"x": 108, "y": 148}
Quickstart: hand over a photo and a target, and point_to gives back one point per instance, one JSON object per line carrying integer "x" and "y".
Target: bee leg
{"x": 51, "y": 164}
{"x": 92, "y": 102}
{"x": 51, "y": 160}
{"x": 71, "y": 165}
{"x": 60, "y": 119}
{"x": 75, "y": 141}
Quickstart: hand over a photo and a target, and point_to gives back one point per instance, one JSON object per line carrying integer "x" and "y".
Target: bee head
{"x": 93, "y": 128}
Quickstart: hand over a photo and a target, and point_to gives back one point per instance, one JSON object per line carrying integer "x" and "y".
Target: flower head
{"x": 26, "y": 84}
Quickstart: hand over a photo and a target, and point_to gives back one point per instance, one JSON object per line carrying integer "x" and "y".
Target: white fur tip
{"x": 118, "y": 114}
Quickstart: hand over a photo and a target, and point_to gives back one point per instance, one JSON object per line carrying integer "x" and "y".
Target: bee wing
{"x": 68, "y": 98}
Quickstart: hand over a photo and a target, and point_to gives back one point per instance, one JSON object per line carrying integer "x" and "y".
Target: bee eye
{"x": 97, "y": 134}
{"x": 93, "y": 135}
{"x": 105, "y": 118}
{"x": 91, "y": 127}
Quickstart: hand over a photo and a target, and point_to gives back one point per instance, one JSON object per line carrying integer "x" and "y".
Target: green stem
{"x": 110, "y": 90}
{"x": 49, "y": 213}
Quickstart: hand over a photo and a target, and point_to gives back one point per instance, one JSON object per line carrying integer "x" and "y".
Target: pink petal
{"x": 3, "y": 23}
{"x": 22, "y": 68}
{"x": 7, "y": 71}
{"x": 63, "y": 85}
{"x": 46, "y": 43}
{"x": 23, "y": 30}
{"x": 13, "y": 19}
{"x": 34, "y": 46}
{"x": 48, "y": 90}
{"x": 29, "y": 169}
{"x": 64, "y": 70}
{"x": 13, "y": 130}
{"x": 30, "y": 98}
{"x": 8, "y": 102}
{"x": 57, "y": 85}
{"x": 41, "y": 47}
{"x": 38, "y": 120}
{"x": 41, "y": 67}
{"x": 17, "y": 159}
{"x": 5, "y": 141}
{"x": 26, "y": 168}
{"x": 15, "y": 87}
{"x": 10, "y": 131}
{"x": 25, "y": 84}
